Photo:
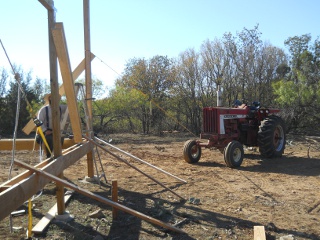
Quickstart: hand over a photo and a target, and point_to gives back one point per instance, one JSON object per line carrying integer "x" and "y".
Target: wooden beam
{"x": 26, "y": 174}
{"x": 87, "y": 51}
{"x": 76, "y": 72}
{"x": 17, "y": 194}
{"x": 44, "y": 222}
{"x": 98, "y": 197}
{"x": 259, "y": 233}
{"x": 29, "y": 144}
{"x": 63, "y": 57}
{"x": 48, "y": 4}
{"x": 88, "y": 80}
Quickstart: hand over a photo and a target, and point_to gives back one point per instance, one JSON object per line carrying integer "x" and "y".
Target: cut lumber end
{"x": 259, "y": 233}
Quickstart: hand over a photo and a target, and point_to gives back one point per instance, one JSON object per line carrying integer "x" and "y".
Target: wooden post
{"x": 88, "y": 80}
{"x": 55, "y": 98}
{"x": 114, "y": 198}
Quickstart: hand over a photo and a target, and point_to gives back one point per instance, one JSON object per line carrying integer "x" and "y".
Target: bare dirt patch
{"x": 281, "y": 194}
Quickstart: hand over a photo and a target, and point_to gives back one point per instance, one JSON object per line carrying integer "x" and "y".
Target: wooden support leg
{"x": 60, "y": 197}
{"x": 90, "y": 164}
{"x": 114, "y": 198}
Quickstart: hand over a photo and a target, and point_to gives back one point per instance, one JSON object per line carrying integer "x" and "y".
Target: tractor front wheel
{"x": 233, "y": 154}
{"x": 191, "y": 151}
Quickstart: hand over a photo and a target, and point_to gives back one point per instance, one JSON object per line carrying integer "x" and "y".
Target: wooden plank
{"x": 26, "y": 174}
{"x": 15, "y": 196}
{"x": 98, "y": 197}
{"x": 44, "y": 222}
{"x": 29, "y": 127}
{"x": 259, "y": 233}
{"x": 87, "y": 51}
{"x": 63, "y": 57}
{"x": 88, "y": 80}
{"x": 28, "y": 144}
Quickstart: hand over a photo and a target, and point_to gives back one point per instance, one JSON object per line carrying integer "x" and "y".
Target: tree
{"x": 189, "y": 82}
{"x": 152, "y": 79}
{"x": 3, "y": 105}
{"x": 214, "y": 64}
{"x": 98, "y": 88}
{"x": 298, "y": 91}
{"x": 11, "y": 101}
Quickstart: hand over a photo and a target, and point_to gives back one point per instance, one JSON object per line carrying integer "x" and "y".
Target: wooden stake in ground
{"x": 98, "y": 197}
{"x": 114, "y": 198}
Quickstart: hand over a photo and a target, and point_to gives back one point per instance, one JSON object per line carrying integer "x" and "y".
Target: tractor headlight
{"x": 267, "y": 111}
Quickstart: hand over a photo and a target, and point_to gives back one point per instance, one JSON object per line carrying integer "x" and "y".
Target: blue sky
{"x": 121, "y": 29}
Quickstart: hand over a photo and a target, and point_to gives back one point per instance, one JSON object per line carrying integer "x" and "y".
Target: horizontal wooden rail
{"x": 14, "y": 196}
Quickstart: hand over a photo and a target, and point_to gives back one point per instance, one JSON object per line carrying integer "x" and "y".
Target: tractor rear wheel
{"x": 271, "y": 137}
{"x": 233, "y": 154}
{"x": 191, "y": 151}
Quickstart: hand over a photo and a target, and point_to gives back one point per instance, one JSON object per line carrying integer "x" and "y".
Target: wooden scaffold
{"x": 25, "y": 185}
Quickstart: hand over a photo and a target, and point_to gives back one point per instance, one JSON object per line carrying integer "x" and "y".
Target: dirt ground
{"x": 282, "y": 194}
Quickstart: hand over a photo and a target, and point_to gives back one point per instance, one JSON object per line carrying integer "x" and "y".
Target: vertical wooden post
{"x": 88, "y": 80}
{"x": 114, "y": 198}
{"x": 55, "y": 98}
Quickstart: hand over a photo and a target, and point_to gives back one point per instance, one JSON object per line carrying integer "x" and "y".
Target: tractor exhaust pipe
{"x": 219, "y": 97}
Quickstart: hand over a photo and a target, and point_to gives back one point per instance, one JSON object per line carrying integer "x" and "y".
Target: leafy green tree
{"x": 3, "y": 106}
{"x": 98, "y": 88}
{"x": 11, "y": 101}
{"x": 151, "y": 79}
{"x": 298, "y": 92}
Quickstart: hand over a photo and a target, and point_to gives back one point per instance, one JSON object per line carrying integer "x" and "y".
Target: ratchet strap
{"x": 38, "y": 123}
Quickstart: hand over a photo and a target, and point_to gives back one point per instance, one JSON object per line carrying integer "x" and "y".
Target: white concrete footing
{"x": 65, "y": 217}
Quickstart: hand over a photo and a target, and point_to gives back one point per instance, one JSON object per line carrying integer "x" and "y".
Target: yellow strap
{"x": 43, "y": 138}
{"x": 29, "y": 218}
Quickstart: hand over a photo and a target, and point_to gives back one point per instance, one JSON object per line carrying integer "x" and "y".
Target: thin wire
{"x": 107, "y": 65}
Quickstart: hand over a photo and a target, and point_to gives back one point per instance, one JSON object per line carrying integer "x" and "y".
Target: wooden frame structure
{"x": 25, "y": 185}
{"x": 19, "y": 189}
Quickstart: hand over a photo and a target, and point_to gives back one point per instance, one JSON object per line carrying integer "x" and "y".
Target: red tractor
{"x": 228, "y": 129}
